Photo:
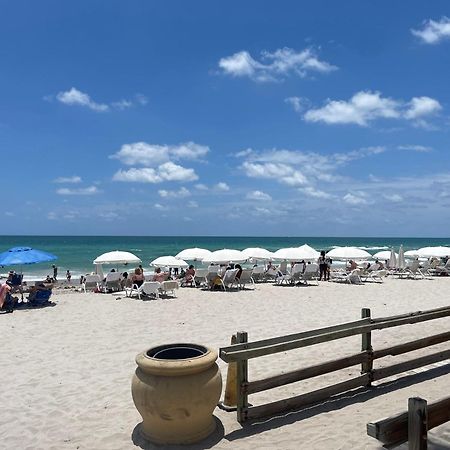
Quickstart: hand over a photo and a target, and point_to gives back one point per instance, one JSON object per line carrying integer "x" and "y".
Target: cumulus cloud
{"x": 180, "y": 193}
{"x": 416, "y": 148}
{"x": 75, "y": 97}
{"x": 91, "y": 190}
{"x": 274, "y": 65}
{"x": 142, "y": 153}
{"x": 222, "y": 187}
{"x": 192, "y": 204}
{"x": 432, "y": 32}
{"x": 68, "y": 180}
{"x": 367, "y": 106}
{"x": 165, "y": 172}
{"x": 298, "y": 103}
{"x": 315, "y": 193}
{"x": 395, "y": 198}
{"x": 201, "y": 187}
{"x": 355, "y": 199}
{"x": 258, "y": 195}
{"x": 282, "y": 172}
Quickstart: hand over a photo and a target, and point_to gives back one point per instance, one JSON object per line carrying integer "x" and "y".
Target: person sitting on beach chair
{"x": 189, "y": 276}
{"x": 39, "y": 294}
{"x": 14, "y": 280}
{"x": 6, "y": 299}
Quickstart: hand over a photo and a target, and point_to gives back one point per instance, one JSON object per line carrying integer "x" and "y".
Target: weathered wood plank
{"x": 230, "y": 354}
{"x": 309, "y": 398}
{"x": 393, "y": 430}
{"x": 241, "y": 380}
{"x": 291, "y": 337}
{"x": 305, "y": 373}
{"x": 415, "y": 313}
{"x": 366, "y": 346}
{"x": 395, "y": 369}
{"x": 412, "y": 345}
{"x": 417, "y": 424}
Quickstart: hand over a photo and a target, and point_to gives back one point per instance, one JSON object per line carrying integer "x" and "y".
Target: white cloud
{"x": 69, "y": 180}
{"x": 297, "y": 103}
{"x": 180, "y": 193}
{"x": 416, "y": 148}
{"x": 315, "y": 193}
{"x": 274, "y": 66}
{"x": 201, "y": 187}
{"x": 367, "y": 106}
{"x": 91, "y": 190}
{"x": 282, "y": 172}
{"x": 395, "y": 198}
{"x": 222, "y": 187}
{"x": 160, "y": 207}
{"x": 258, "y": 195}
{"x": 355, "y": 199}
{"x": 192, "y": 204}
{"x": 165, "y": 172}
{"x": 433, "y": 31}
{"x": 76, "y": 97}
{"x": 422, "y": 106}
{"x": 146, "y": 154}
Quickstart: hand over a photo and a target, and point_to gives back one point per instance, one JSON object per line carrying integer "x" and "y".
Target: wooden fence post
{"x": 241, "y": 381}
{"x": 366, "y": 346}
{"x": 417, "y": 423}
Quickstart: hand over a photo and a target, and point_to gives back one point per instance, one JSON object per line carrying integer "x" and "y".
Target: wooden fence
{"x": 243, "y": 350}
{"x": 413, "y": 425}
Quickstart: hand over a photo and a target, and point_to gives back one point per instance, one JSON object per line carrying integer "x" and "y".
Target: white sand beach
{"x": 66, "y": 370}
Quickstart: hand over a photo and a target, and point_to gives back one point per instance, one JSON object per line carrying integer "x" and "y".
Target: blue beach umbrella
{"x": 24, "y": 255}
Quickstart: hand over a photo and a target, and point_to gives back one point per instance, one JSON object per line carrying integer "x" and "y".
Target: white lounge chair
{"x": 245, "y": 278}
{"x": 200, "y": 276}
{"x": 311, "y": 273}
{"x": 147, "y": 288}
{"x": 112, "y": 282}
{"x": 258, "y": 273}
{"x": 169, "y": 286}
{"x": 91, "y": 282}
{"x": 351, "y": 278}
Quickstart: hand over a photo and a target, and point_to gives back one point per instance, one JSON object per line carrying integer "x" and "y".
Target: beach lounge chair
{"x": 169, "y": 286}
{"x": 147, "y": 288}
{"x": 270, "y": 274}
{"x": 16, "y": 284}
{"x": 258, "y": 273}
{"x": 311, "y": 273}
{"x": 227, "y": 281}
{"x": 40, "y": 297}
{"x": 200, "y": 276}
{"x": 91, "y": 282}
{"x": 351, "y": 278}
{"x": 112, "y": 282}
{"x": 245, "y": 278}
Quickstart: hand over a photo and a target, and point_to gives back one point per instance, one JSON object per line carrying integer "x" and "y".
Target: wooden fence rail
{"x": 413, "y": 425}
{"x": 243, "y": 350}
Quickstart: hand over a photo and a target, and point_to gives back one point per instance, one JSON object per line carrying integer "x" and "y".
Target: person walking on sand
{"x": 68, "y": 276}
{"x": 55, "y": 272}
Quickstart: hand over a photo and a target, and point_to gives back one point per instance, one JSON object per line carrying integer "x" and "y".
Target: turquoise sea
{"x": 76, "y": 253}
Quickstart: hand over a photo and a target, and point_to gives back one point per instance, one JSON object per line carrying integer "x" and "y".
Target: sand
{"x": 66, "y": 369}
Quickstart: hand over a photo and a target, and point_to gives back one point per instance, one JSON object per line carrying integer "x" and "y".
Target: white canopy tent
{"x": 193, "y": 254}
{"x": 346, "y": 253}
{"x": 169, "y": 261}
{"x": 225, "y": 256}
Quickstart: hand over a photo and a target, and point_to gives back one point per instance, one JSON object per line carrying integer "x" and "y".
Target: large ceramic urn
{"x": 175, "y": 389}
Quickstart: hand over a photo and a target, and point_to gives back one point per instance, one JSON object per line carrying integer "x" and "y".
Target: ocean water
{"x": 76, "y": 253}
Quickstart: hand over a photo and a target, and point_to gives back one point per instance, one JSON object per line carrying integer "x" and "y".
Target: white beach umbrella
{"x": 225, "y": 256}
{"x": 348, "y": 253}
{"x": 401, "y": 263}
{"x": 258, "y": 253}
{"x": 290, "y": 254}
{"x": 411, "y": 254}
{"x": 308, "y": 253}
{"x": 169, "y": 261}
{"x": 438, "y": 252}
{"x": 392, "y": 263}
{"x": 193, "y": 254}
{"x": 117, "y": 257}
{"x": 385, "y": 255}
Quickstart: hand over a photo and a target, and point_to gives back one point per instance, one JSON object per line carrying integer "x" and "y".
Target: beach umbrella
{"x": 24, "y": 255}
{"x": 169, "y": 261}
{"x": 347, "y": 253}
{"x": 117, "y": 257}
{"x": 193, "y": 254}
{"x": 225, "y": 256}
{"x": 438, "y": 252}
{"x": 385, "y": 255}
{"x": 308, "y": 253}
{"x": 258, "y": 253}
{"x": 294, "y": 254}
{"x": 411, "y": 254}
{"x": 401, "y": 263}
{"x": 392, "y": 259}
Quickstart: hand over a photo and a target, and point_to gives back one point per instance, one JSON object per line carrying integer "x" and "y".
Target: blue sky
{"x": 304, "y": 118}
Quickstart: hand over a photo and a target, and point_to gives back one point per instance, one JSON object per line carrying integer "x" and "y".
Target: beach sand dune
{"x": 66, "y": 370}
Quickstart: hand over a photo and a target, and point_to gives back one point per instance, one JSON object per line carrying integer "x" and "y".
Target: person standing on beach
{"x": 55, "y": 272}
{"x": 323, "y": 266}
{"x": 68, "y": 276}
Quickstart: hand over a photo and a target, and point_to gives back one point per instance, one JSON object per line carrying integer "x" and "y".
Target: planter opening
{"x": 177, "y": 351}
